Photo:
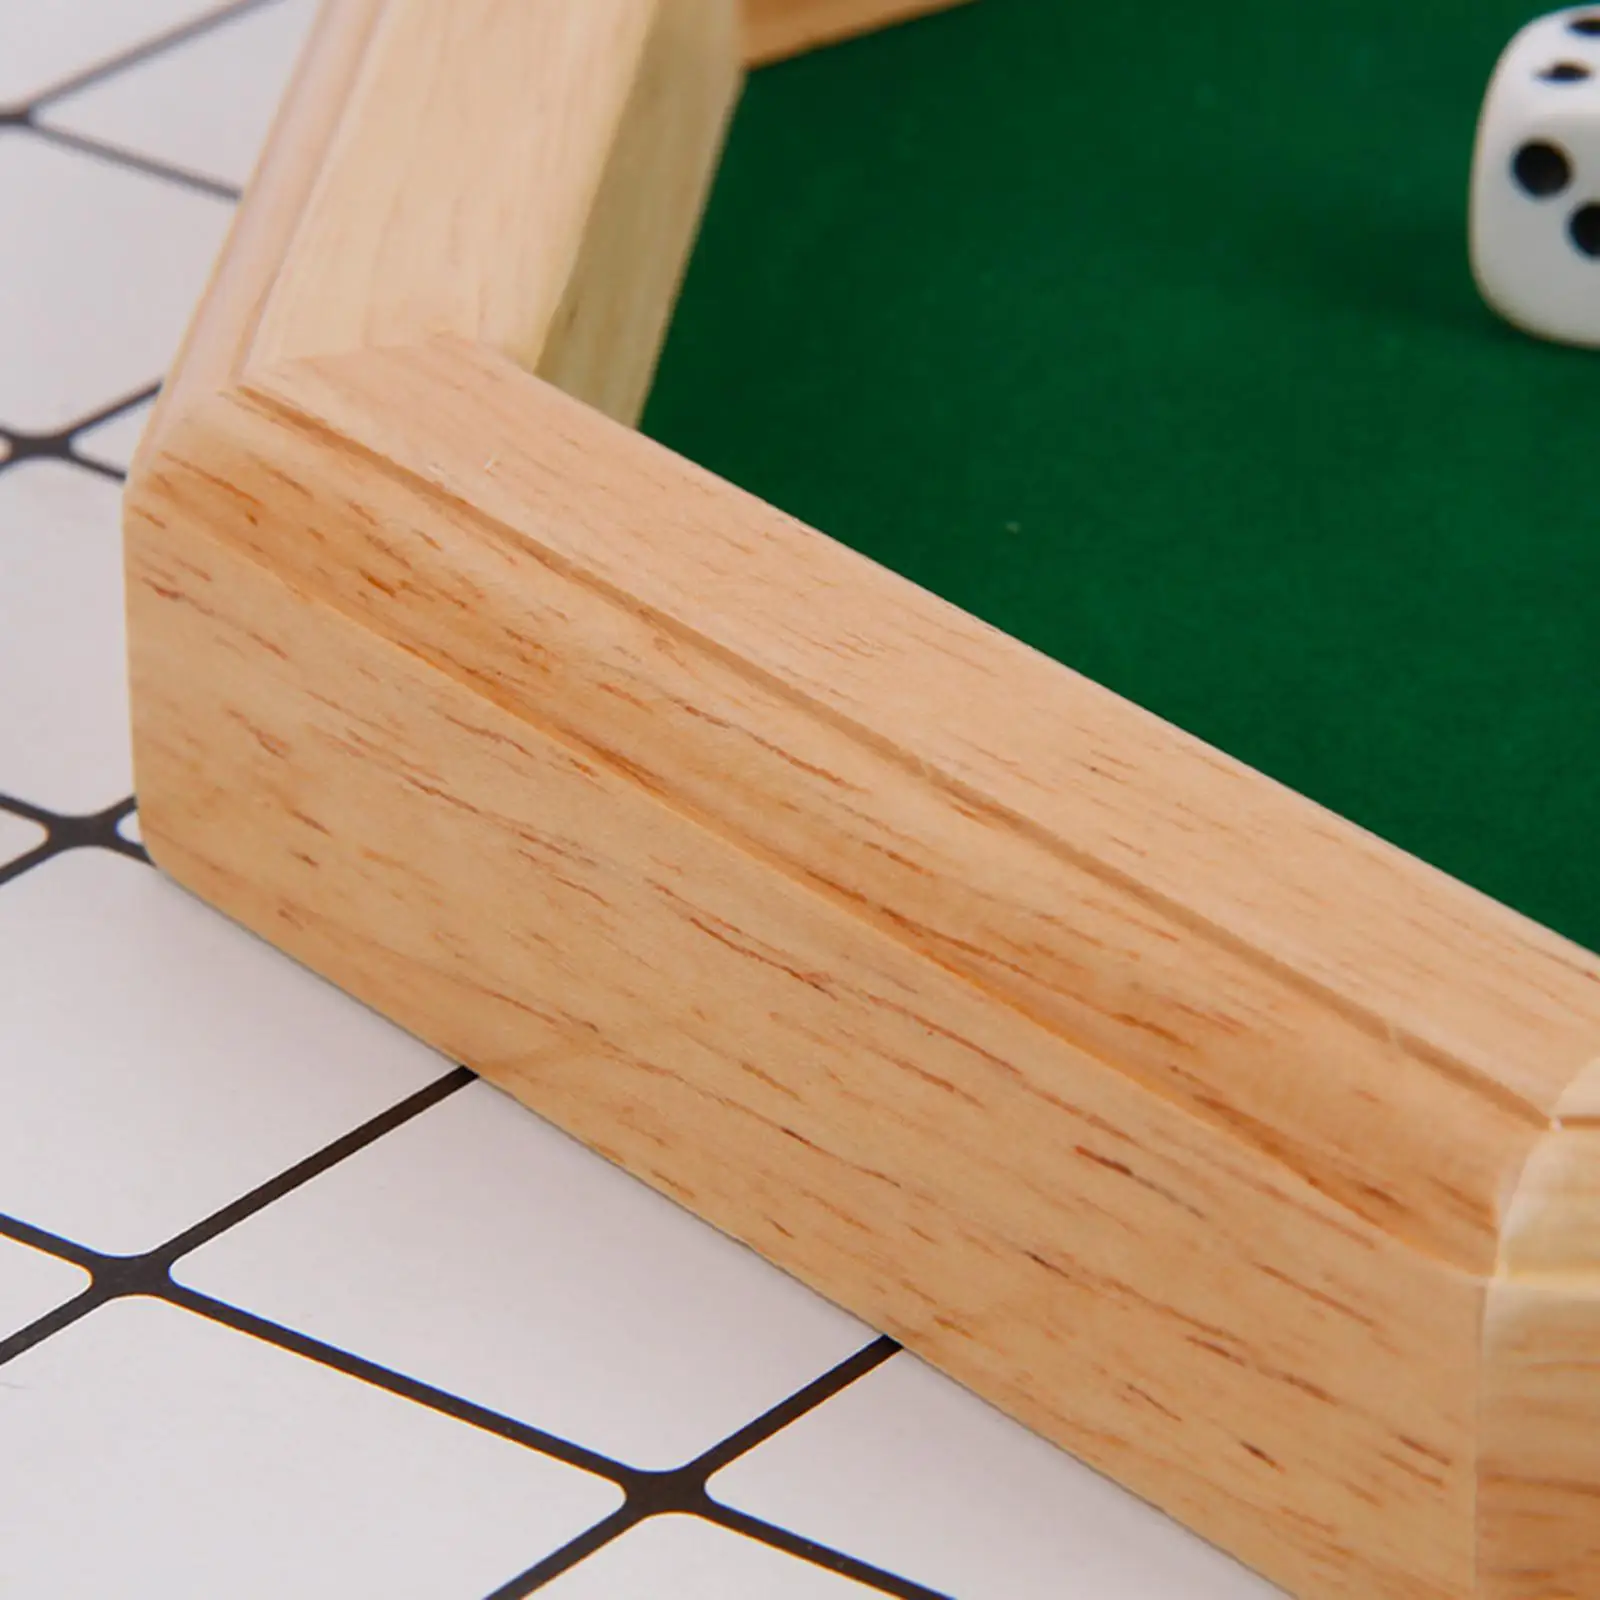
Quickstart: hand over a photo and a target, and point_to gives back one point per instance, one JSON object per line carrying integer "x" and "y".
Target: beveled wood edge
{"x": 1580, "y": 1102}
{"x": 1539, "y": 1455}
{"x": 1539, "y": 1458}
{"x": 1144, "y": 1289}
{"x": 586, "y": 181}
{"x": 1241, "y": 941}
{"x": 217, "y": 343}
{"x": 321, "y": 96}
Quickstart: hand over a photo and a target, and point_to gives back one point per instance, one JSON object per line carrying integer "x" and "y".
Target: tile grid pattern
{"x": 682, "y": 1491}
{"x": 62, "y": 445}
{"x": 29, "y": 114}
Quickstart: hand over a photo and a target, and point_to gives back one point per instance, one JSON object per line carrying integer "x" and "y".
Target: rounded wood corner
{"x": 1539, "y": 1466}
{"x": 529, "y": 177}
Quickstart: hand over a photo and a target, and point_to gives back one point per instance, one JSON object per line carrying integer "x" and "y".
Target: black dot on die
{"x": 1583, "y": 228}
{"x": 1589, "y": 26}
{"x": 1541, "y": 169}
{"x": 1566, "y": 72}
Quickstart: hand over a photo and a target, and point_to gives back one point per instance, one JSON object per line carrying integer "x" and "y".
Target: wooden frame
{"x": 1246, "y": 1157}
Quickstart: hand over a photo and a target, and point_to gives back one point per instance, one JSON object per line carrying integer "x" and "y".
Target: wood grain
{"x": 1552, "y": 1227}
{"x": 1539, "y": 1477}
{"x": 567, "y": 756}
{"x": 1212, "y": 935}
{"x": 1140, "y": 1285}
{"x": 778, "y": 28}
{"x": 1236, "y": 1151}
{"x": 1581, "y": 1100}
{"x": 1540, "y": 1486}
{"x": 1539, "y": 1490}
{"x": 525, "y": 173}
{"x": 217, "y": 345}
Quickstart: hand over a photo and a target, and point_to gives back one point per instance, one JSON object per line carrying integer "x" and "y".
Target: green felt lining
{"x": 1147, "y": 334}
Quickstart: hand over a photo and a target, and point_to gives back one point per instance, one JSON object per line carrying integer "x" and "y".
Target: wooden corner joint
{"x": 1539, "y": 1485}
{"x": 778, "y": 28}
{"x": 1235, "y": 1151}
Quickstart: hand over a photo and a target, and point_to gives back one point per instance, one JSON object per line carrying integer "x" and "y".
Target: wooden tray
{"x": 1243, "y": 1155}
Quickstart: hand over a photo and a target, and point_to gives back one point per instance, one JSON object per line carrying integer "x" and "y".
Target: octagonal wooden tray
{"x": 1241, "y": 1154}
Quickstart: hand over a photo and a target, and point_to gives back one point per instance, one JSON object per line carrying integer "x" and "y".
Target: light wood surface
{"x": 217, "y": 345}
{"x": 609, "y": 781}
{"x": 1581, "y": 1101}
{"x": 1539, "y": 1489}
{"x": 525, "y": 173}
{"x": 1241, "y": 1154}
{"x": 1177, "y": 1306}
{"x": 778, "y": 28}
{"x": 1208, "y": 940}
{"x": 1539, "y": 1483}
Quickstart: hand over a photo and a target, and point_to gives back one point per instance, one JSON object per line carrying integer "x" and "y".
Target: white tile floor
{"x": 64, "y": 712}
{"x": 670, "y": 1336}
{"x": 95, "y": 295}
{"x": 674, "y": 1555}
{"x": 176, "y": 1062}
{"x": 228, "y": 1467}
{"x": 920, "y": 1477}
{"x": 111, "y": 443}
{"x": 42, "y": 46}
{"x": 17, "y": 835}
{"x": 287, "y": 1304}
{"x": 31, "y": 1284}
{"x": 204, "y": 108}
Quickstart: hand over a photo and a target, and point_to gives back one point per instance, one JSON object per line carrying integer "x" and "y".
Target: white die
{"x": 1536, "y": 180}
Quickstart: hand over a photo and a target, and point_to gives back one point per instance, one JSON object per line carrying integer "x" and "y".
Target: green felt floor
{"x": 1146, "y": 333}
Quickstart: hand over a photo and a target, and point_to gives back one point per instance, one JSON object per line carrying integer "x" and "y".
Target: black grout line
{"x": 680, "y": 1490}
{"x": 589, "y": 1542}
{"x": 868, "y": 1359}
{"x": 51, "y": 1244}
{"x": 135, "y": 54}
{"x": 302, "y": 1172}
{"x": 27, "y": 810}
{"x": 627, "y": 1517}
{"x": 683, "y": 1490}
{"x": 648, "y": 1493}
{"x": 37, "y": 447}
{"x": 399, "y": 1384}
{"x": 117, "y": 156}
{"x": 150, "y": 1273}
{"x": 62, "y": 444}
{"x": 26, "y": 862}
{"x": 821, "y": 1555}
{"x": 52, "y": 1322}
{"x": 115, "y": 409}
{"x": 102, "y": 469}
{"x": 64, "y": 831}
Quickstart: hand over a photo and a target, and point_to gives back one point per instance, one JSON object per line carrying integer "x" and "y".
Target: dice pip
{"x": 1535, "y": 204}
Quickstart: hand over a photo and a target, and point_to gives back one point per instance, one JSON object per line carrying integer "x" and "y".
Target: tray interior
{"x": 1147, "y": 334}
